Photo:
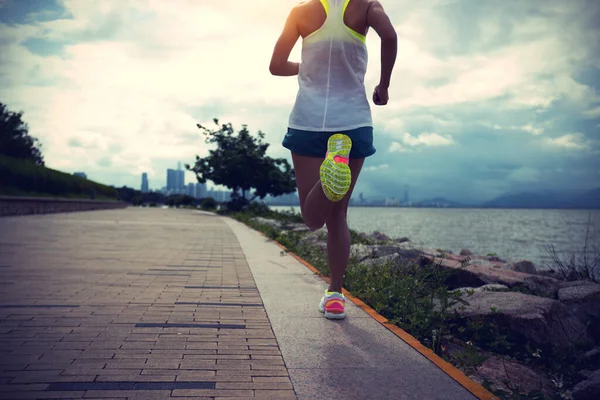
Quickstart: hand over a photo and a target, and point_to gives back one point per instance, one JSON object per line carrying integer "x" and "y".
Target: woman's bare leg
{"x": 317, "y": 210}
{"x": 315, "y": 206}
{"x": 338, "y": 234}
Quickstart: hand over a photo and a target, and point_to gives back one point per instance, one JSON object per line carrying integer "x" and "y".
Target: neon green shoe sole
{"x": 335, "y": 172}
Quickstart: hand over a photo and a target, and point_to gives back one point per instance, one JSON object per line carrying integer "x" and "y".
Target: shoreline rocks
{"x": 542, "y": 321}
{"x": 496, "y": 370}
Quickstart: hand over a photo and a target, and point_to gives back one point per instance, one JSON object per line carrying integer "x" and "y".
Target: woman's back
{"x": 312, "y": 16}
{"x": 331, "y": 93}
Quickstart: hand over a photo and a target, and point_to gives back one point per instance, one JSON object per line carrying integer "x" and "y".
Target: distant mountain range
{"x": 585, "y": 200}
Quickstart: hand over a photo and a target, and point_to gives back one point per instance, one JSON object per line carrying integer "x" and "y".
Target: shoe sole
{"x": 334, "y": 316}
{"x": 336, "y": 176}
{"x": 329, "y": 315}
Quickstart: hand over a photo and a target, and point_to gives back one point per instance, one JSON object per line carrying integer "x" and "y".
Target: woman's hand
{"x": 380, "y": 95}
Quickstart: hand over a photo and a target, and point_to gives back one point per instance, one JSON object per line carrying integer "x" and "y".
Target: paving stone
{"x": 99, "y": 305}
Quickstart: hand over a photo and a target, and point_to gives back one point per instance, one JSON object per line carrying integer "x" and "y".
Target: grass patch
{"x": 22, "y": 177}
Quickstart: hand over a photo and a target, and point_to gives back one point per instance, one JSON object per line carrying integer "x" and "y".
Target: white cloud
{"x": 427, "y": 139}
{"x": 377, "y": 167}
{"x": 534, "y": 130}
{"x": 571, "y": 141}
{"x": 592, "y": 112}
{"x": 397, "y": 147}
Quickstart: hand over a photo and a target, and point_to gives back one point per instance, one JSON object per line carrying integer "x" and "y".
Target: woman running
{"x": 330, "y": 131}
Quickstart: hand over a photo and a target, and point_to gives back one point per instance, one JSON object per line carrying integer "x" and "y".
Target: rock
{"x": 583, "y": 299}
{"x": 488, "y": 287}
{"x": 497, "y": 371}
{"x": 297, "y": 227}
{"x": 401, "y": 240}
{"x": 588, "y": 389}
{"x": 465, "y": 252}
{"x": 455, "y": 257}
{"x": 361, "y": 252}
{"x": 541, "y": 285}
{"x": 592, "y": 357}
{"x": 270, "y": 222}
{"x": 478, "y": 273}
{"x": 383, "y": 250}
{"x": 495, "y": 259}
{"x": 524, "y": 266}
{"x": 319, "y": 235}
{"x": 382, "y": 237}
{"x": 569, "y": 284}
{"x": 540, "y": 320}
{"x": 391, "y": 258}
{"x": 578, "y": 290}
{"x": 584, "y": 374}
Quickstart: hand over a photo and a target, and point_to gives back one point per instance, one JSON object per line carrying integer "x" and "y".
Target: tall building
{"x": 176, "y": 181}
{"x": 200, "y": 190}
{"x": 180, "y": 180}
{"x": 80, "y": 174}
{"x": 191, "y": 190}
{"x": 171, "y": 180}
{"x": 145, "y": 188}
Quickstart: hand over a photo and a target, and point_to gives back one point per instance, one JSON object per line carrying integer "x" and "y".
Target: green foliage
{"x": 240, "y": 163}
{"x": 15, "y": 141}
{"x": 413, "y": 297}
{"x": 23, "y": 177}
{"x": 357, "y": 238}
{"x": 180, "y": 200}
{"x": 469, "y": 358}
{"x": 208, "y": 204}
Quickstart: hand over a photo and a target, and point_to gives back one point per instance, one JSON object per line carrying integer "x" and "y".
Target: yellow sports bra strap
{"x": 326, "y": 6}
{"x": 360, "y": 37}
{"x": 345, "y": 5}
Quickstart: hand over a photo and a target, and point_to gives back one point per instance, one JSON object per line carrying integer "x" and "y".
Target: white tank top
{"x": 331, "y": 94}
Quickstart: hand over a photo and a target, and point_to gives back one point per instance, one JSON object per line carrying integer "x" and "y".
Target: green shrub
{"x": 23, "y": 177}
{"x": 209, "y": 204}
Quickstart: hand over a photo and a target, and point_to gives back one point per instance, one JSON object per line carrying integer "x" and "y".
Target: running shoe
{"x": 335, "y": 172}
{"x": 332, "y": 305}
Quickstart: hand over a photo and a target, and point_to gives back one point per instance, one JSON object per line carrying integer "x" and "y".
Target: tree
{"x": 14, "y": 137}
{"x": 240, "y": 163}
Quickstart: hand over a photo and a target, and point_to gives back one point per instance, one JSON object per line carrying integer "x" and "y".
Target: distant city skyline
{"x": 145, "y": 186}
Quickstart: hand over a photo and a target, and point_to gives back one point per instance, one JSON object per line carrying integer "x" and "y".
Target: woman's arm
{"x": 378, "y": 19}
{"x": 280, "y": 66}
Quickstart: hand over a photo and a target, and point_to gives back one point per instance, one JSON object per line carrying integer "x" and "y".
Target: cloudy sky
{"x": 487, "y": 96}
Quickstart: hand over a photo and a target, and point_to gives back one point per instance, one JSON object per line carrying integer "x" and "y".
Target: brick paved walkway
{"x": 132, "y": 304}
